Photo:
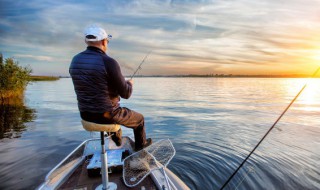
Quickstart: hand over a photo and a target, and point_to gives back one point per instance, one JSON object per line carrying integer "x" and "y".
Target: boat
{"x": 127, "y": 169}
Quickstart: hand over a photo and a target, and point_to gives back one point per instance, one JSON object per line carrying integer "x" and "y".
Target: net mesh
{"x": 163, "y": 151}
{"x": 140, "y": 164}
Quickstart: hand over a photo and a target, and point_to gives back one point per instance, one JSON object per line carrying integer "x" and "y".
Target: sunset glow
{"x": 239, "y": 37}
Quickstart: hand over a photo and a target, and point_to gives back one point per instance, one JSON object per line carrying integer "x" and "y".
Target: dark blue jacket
{"x": 98, "y": 81}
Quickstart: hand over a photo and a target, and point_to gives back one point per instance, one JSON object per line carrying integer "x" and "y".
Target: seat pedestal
{"x": 89, "y": 126}
{"x": 106, "y": 185}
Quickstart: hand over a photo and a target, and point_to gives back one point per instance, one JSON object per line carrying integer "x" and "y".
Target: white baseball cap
{"x": 95, "y": 33}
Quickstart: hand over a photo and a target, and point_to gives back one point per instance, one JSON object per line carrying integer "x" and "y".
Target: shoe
{"x": 117, "y": 137}
{"x": 146, "y": 144}
{"x": 118, "y": 142}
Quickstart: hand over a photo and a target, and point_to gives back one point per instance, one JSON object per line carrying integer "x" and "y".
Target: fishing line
{"x": 250, "y": 170}
{"x": 293, "y": 100}
{"x": 139, "y": 67}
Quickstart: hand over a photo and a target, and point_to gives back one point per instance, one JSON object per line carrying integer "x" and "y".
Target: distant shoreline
{"x": 227, "y": 76}
{"x": 205, "y": 76}
{"x": 44, "y": 78}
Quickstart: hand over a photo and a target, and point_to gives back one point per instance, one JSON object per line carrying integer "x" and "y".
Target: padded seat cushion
{"x": 90, "y": 126}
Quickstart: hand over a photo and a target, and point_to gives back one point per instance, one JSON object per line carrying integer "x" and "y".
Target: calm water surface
{"x": 213, "y": 124}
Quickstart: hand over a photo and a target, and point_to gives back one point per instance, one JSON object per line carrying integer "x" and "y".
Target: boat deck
{"x": 72, "y": 173}
{"x": 79, "y": 180}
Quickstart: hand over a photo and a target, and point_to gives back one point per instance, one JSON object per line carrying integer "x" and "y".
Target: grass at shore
{"x": 43, "y": 78}
{"x": 7, "y": 96}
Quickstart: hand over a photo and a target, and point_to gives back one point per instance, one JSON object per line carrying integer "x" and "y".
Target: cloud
{"x": 219, "y": 34}
{"x": 34, "y": 57}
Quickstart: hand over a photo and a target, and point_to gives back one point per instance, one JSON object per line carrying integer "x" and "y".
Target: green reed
{"x": 14, "y": 78}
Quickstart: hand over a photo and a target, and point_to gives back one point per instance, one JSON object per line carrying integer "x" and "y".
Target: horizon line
{"x": 212, "y": 76}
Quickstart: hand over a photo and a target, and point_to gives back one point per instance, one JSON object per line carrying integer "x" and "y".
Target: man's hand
{"x": 130, "y": 81}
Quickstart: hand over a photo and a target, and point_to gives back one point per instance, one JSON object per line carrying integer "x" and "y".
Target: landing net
{"x": 139, "y": 165}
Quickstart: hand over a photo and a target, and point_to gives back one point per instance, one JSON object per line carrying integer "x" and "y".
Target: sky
{"x": 239, "y": 37}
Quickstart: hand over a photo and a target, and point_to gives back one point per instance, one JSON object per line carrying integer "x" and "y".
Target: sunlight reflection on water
{"x": 212, "y": 122}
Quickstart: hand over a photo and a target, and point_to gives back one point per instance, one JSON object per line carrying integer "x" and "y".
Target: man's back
{"x": 90, "y": 79}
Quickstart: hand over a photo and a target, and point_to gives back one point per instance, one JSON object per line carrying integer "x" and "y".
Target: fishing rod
{"x": 139, "y": 67}
{"x": 275, "y": 123}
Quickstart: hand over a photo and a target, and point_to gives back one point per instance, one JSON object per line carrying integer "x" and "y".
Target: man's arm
{"x": 123, "y": 87}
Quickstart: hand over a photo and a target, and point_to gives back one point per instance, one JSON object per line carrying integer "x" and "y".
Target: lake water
{"x": 213, "y": 123}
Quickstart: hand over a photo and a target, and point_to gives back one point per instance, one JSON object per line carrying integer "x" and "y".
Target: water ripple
{"x": 213, "y": 123}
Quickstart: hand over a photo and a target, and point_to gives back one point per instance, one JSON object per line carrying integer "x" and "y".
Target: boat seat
{"x": 90, "y": 126}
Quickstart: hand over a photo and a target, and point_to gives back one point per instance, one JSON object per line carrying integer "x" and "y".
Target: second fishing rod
{"x": 265, "y": 135}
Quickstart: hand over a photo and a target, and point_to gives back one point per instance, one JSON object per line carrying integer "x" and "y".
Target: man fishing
{"x": 99, "y": 84}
